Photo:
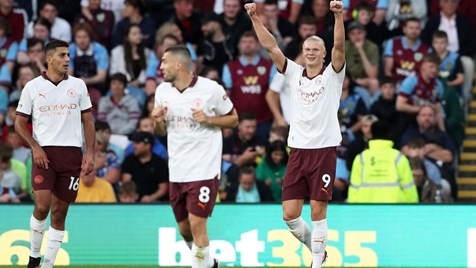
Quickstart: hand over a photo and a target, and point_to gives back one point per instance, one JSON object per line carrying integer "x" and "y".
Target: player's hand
{"x": 251, "y": 9}
{"x": 200, "y": 116}
{"x": 159, "y": 114}
{"x": 336, "y": 6}
{"x": 40, "y": 158}
{"x": 88, "y": 164}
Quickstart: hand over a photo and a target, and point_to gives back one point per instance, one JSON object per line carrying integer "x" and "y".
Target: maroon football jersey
{"x": 406, "y": 61}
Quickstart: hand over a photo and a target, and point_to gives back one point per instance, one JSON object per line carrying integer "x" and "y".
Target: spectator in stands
{"x": 121, "y": 111}
{"x": 361, "y": 140}
{"x": 9, "y": 49}
{"x": 131, "y": 57}
{"x": 288, "y": 9}
{"x": 146, "y": 169}
{"x": 41, "y": 31}
{"x": 10, "y": 119}
{"x": 428, "y": 190}
{"x": 60, "y": 28}
{"x": 271, "y": 170}
{"x": 114, "y": 6}
{"x": 213, "y": 49}
{"x": 282, "y": 30}
{"x": 385, "y": 108}
{"x": 362, "y": 59}
{"x": 188, "y": 21}
{"x": 381, "y": 174}
{"x": 422, "y": 89}
{"x": 25, "y": 73}
{"x": 33, "y": 54}
{"x": 106, "y": 164}
{"x": 399, "y": 11}
{"x": 104, "y": 130}
{"x": 438, "y": 144}
{"x": 16, "y": 19}
{"x": 20, "y": 151}
{"x": 247, "y": 81}
{"x": 242, "y": 148}
{"x": 351, "y": 109}
{"x": 403, "y": 54}
{"x": 133, "y": 13}
{"x": 153, "y": 73}
{"x": 89, "y": 60}
{"x": 234, "y": 23}
{"x": 212, "y": 73}
{"x": 249, "y": 190}
{"x": 451, "y": 68}
{"x": 10, "y": 178}
{"x": 101, "y": 20}
{"x": 363, "y": 13}
{"x": 457, "y": 27}
{"x": 307, "y": 26}
{"x": 279, "y": 133}
{"x": 351, "y": 7}
{"x": 95, "y": 190}
{"x": 128, "y": 192}
{"x": 146, "y": 124}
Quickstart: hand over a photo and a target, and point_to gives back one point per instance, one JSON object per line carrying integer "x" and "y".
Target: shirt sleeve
{"x": 272, "y": 73}
{"x": 101, "y": 57}
{"x": 72, "y": 55}
{"x": 226, "y": 77}
{"x": 277, "y": 83}
{"x": 291, "y": 69}
{"x": 85, "y": 100}
{"x": 222, "y": 102}
{"x": 388, "y": 51}
{"x": 382, "y": 4}
{"x": 25, "y": 104}
{"x": 151, "y": 71}
{"x": 12, "y": 52}
{"x": 158, "y": 99}
{"x": 408, "y": 85}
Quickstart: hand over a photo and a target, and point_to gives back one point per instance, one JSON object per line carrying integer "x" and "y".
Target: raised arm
{"x": 338, "y": 52}
{"x": 266, "y": 38}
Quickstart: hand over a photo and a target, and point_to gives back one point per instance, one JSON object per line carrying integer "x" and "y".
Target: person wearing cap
{"x": 121, "y": 111}
{"x": 214, "y": 49}
{"x": 149, "y": 172}
{"x": 362, "y": 57}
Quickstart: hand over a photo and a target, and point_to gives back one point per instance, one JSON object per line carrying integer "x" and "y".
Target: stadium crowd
{"x": 409, "y": 71}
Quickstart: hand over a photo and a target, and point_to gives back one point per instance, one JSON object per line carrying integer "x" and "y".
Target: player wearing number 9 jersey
{"x": 57, "y": 104}
{"x": 191, "y": 110}
{"x": 314, "y": 128}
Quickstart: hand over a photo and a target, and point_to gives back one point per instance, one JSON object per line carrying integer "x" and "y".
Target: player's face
{"x": 169, "y": 67}
{"x": 439, "y": 44}
{"x": 59, "y": 60}
{"x": 313, "y": 53}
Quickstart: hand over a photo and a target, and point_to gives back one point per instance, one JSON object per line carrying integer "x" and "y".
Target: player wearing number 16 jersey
{"x": 191, "y": 110}
{"x": 57, "y": 104}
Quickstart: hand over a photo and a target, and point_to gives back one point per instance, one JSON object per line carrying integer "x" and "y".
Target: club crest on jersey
{"x": 100, "y": 17}
{"x": 418, "y": 56}
{"x": 38, "y": 179}
{"x": 198, "y": 104}
{"x": 261, "y": 70}
{"x": 71, "y": 93}
{"x": 239, "y": 72}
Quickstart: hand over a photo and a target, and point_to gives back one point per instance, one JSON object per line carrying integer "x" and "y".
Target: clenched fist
{"x": 336, "y": 6}
{"x": 251, "y": 9}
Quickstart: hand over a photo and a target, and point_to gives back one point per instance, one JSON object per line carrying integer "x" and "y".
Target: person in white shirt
{"x": 314, "y": 133}
{"x": 60, "y": 107}
{"x": 60, "y": 28}
{"x": 191, "y": 110}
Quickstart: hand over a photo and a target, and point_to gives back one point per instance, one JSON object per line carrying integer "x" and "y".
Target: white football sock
{"x": 300, "y": 229}
{"x": 201, "y": 257}
{"x": 37, "y": 231}
{"x": 319, "y": 242}
{"x": 53, "y": 244}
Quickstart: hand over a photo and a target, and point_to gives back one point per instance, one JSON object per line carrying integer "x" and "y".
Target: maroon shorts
{"x": 197, "y": 198}
{"x": 62, "y": 175}
{"x": 310, "y": 172}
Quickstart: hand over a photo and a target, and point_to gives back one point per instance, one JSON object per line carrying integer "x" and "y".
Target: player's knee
{"x": 41, "y": 210}
{"x": 289, "y": 215}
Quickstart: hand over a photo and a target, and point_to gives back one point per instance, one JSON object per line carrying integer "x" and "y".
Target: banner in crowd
{"x": 254, "y": 235}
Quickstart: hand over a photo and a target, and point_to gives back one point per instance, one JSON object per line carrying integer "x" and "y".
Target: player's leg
{"x": 200, "y": 203}
{"x": 321, "y": 181}
{"x": 295, "y": 189}
{"x": 186, "y": 232}
{"x": 38, "y": 225}
{"x": 59, "y": 210}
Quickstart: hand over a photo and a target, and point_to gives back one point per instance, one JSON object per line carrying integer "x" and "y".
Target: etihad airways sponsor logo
{"x": 58, "y": 107}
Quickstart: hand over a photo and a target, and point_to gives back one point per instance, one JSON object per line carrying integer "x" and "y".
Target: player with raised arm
{"x": 58, "y": 104}
{"x": 191, "y": 110}
{"x": 314, "y": 129}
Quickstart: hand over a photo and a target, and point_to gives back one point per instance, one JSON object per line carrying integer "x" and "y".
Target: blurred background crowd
{"x": 408, "y": 85}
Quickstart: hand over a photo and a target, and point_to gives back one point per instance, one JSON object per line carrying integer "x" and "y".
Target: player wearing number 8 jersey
{"x": 57, "y": 104}
{"x": 191, "y": 110}
{"x": 314, "y": 133}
